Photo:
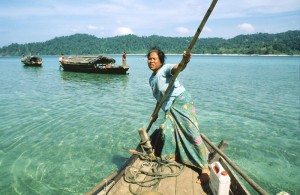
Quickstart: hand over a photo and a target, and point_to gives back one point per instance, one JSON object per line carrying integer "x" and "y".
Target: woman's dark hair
{"x": 161, "y": 55}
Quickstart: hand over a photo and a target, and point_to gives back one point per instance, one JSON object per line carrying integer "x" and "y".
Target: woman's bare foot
{"x": 204, "y": 176}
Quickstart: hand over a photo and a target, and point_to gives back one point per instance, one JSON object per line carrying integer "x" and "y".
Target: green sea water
{"x": 63, "y": 132}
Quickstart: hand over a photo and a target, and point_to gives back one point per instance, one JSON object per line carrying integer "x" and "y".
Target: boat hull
{"x": 93, "y": 64}
{"x": 92, "y": 69}
{"x": 185, "y": 183}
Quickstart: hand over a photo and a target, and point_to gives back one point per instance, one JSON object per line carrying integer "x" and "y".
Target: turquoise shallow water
{"x": 63, "y": 132}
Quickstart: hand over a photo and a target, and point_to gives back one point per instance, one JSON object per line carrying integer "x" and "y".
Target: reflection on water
{"x": 33, "y": 68}
{"x": 85, "y": 77}
{"x": 96, "y": 79}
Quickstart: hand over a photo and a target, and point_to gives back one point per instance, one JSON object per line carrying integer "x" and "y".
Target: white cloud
{"x": 91, "y": 27}
{"x": 182, "y": 30}
{"x": 67, "y": 17}
{"x": 246, "y": 8}
{"x": 207, "y": 29}
{"x": 123, "y": 31}
{"x": 246, "y": 27}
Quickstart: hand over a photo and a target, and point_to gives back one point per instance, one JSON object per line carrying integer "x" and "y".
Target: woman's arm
{"x": 186, "y": 57}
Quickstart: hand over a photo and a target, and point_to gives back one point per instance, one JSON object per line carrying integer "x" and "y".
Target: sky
{"x": 27, "y": 21}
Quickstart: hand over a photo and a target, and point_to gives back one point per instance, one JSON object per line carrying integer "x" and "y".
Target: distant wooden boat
{"x": 92, "y": 64}
{"x": 184, "y": 183}
{"x": 32, "y": 61}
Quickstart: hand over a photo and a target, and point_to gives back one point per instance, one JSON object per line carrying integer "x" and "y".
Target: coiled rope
{"x": 150, "y": 173}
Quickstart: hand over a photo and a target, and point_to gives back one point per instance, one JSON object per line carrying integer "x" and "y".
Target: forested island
{"x": 286, "y": 43}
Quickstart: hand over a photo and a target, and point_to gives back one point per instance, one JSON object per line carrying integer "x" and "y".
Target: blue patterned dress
{"x": 180, "y": 130}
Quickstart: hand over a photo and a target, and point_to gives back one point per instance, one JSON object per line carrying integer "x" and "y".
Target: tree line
{"x": 286, "y": 43}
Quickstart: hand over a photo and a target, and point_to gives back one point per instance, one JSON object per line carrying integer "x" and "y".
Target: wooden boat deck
{"x": 185, "y": 183}
{"x": 180, "y": 184}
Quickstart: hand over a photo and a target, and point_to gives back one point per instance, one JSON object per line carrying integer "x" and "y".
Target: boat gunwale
{"x": 236, "y": 186}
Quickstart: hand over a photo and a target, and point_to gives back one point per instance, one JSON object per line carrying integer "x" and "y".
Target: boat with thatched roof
{"x": 92, "y": 64}
{"x": 32, "y": 61}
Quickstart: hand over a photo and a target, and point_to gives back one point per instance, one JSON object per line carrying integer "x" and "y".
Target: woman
{"x": 180, "y": 131}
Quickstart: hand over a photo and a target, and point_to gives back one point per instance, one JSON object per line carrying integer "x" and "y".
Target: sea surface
{"x": 63, "y": 132}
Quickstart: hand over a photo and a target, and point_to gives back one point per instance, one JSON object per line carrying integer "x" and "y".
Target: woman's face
{"x": 153, "y": 62}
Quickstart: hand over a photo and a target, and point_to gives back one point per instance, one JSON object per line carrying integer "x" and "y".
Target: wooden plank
{"x": 215, "y": 156}
{"x": 184, "y": 182}
{"x": 197, "y": 188}
{"x": 147, "y": 167}
{"x": 106, "y": 189}
{"x": 105, "y": 182}
{"x": 122, "y": 187}
{"x": 168, "y": 185}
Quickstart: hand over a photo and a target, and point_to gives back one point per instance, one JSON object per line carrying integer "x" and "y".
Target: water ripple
{"x": 63, "y": 132}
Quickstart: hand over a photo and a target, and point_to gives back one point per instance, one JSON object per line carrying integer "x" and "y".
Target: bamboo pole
{"x": 232, "y": 164}
{"x": 182, "y": 65}
{"x": 183, "y": 62}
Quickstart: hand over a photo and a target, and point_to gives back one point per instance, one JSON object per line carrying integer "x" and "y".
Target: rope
{"x": 150, "y": 173}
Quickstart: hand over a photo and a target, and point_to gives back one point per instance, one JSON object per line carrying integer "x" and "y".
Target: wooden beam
{"x": 215, "y": 156}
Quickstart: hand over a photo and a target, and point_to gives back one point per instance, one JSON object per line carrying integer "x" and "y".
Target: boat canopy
{"x": 89, "y": 60}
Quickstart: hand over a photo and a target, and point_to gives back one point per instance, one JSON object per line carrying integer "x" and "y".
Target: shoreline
{"x": 268, "y": 55}
{"x": 279, "y": 55}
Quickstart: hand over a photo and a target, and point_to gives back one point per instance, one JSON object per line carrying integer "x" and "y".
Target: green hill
{"x": 82, "y": 44}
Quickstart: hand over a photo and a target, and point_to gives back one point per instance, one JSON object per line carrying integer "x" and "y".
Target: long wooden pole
{"x": 232, "y": 164}
{"x": 183, "y": 62}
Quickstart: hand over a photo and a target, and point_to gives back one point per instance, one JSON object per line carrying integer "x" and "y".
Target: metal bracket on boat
{"x": 146, "y": 143}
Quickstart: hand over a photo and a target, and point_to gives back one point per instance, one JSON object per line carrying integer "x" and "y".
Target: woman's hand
{"x": 154, "y": 117}
{"x": 187, "y": 56}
